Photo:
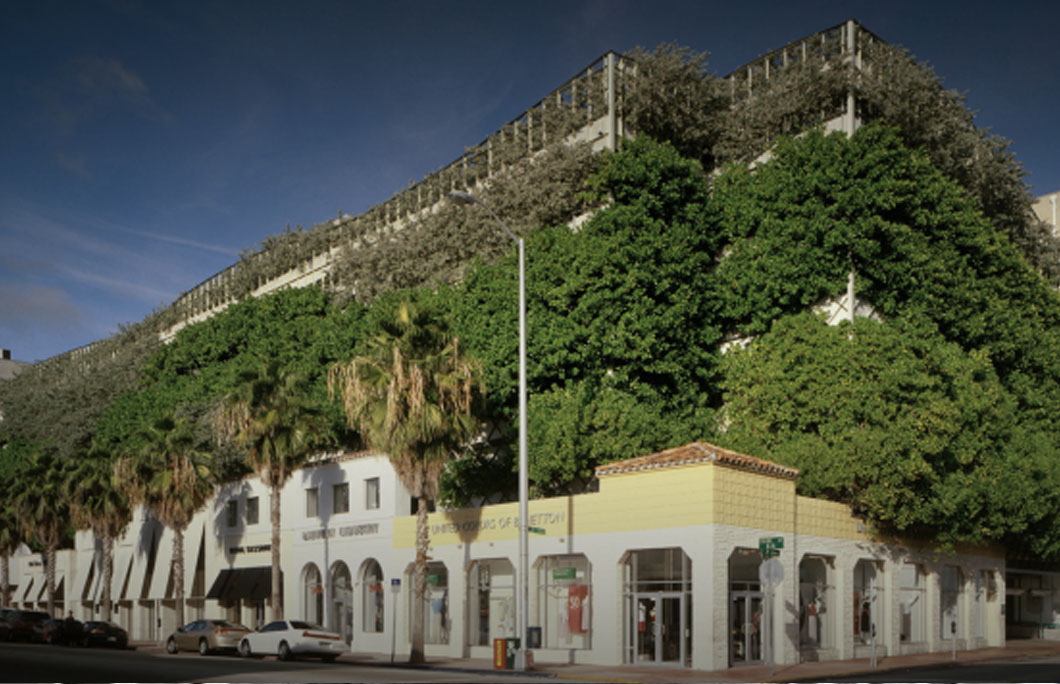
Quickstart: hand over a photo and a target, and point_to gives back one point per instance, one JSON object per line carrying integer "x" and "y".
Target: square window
{"x": 340, "y": 498}
{"x": 252, "y": 510}
{"x": 371, "y": 493}
{"x": 232, "y": 513}
{"x": 312, "y": 509}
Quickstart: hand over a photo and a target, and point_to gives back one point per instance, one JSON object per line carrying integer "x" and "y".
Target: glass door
{"x": 745, "y": 627}
{"x": 658, "y": 628}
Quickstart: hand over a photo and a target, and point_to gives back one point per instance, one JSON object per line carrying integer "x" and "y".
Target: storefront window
{"x": 342, "y": 601}
{"x": 436, "y": 605}
{"x": 657, "y": 622}
{"x": 374, "y": 598}
{"x": 491, "y": 601}
{"x": 816, "y": 616}
{"x": 868, "y": 592}
{"x": 564, "y": 601}
{"x": 949, "y": 600}
{"x": 911, "y": 603}
{"x": 312, "y": 596}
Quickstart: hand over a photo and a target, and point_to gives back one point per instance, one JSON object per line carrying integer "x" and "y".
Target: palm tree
{"x": 174, "y": 479}
{"x": 98, "y": 502}
{"x": 272, "y": 416}
{"x": 9, "y": 539}
{"x": 410, "y": 396}
{"x": 43, "y": 509}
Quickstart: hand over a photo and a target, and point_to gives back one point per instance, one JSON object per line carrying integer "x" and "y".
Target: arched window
{"x": 868, "y": 601}
{"x": 372, "y": 595}
{"x": 911, "y": 603}
{"x": 312, "y": 595}
{"x": 435, "y": 604}
{"x": 952, "y": 581}
{"x": 491, "y": 601}
{"x": 341, "y": 601}
{"x": 816, "y": 609}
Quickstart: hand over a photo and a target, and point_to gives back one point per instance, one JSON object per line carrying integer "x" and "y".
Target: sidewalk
{"x": 812, "y": 671}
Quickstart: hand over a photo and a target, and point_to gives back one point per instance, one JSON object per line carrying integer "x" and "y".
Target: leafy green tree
{"x": 619, "y": 316}
{"x": 43, "y": 509}
{"x": 173, "y": 476}
{"x": 98, "y": 501}
{"x": 411, "y": 395}
{"x": 272, "y": 416}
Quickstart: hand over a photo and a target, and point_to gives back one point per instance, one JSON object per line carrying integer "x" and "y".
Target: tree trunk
{"x": 5, "y": 570}
{"x": 276, "y": 600}
{"x": 178, "y": 570}
{"x": 50, "y": 578}
{"x": 419, "y": 581}
{"x": 108, "y": 574}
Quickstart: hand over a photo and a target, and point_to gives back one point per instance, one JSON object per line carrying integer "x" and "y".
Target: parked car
{"x": 22, "y": 622}
{"x": 53, "y": 631}
{"x": 206, "y": 636}
{"x": 290, "y": 638}
{"x": 100, "y": 633}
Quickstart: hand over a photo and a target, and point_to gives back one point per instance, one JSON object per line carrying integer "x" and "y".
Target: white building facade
{"x": 661, "y": 566}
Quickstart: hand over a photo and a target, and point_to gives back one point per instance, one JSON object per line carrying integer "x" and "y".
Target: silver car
{"x": 206, "y": 636}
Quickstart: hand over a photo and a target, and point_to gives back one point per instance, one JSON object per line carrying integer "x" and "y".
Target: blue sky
{"x": 145, "y": 144}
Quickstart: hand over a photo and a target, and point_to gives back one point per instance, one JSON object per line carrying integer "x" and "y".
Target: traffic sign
{"x": 536, "y": 530}
{"x": 770, "y": 546}
{"x": 771, "y": 572}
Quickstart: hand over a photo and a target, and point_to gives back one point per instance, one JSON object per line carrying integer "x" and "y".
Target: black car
{"x": 55, "y": 632}
{"x": 100, "y": 633}
{"x": 22, "y": 623}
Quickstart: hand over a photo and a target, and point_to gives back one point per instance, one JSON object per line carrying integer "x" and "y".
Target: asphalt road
{"x": 20, "y": 662}
{"x": 1020, "y": 670}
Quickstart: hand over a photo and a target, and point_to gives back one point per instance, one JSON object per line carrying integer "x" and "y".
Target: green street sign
{"x": 563, "y": 573}
{"x": 770, "y": 546}
{"x": 536, "y": 530}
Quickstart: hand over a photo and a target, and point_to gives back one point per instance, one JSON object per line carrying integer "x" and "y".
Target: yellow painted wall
{"x": 749, "y": 499}
{"x": 822, "y": 518}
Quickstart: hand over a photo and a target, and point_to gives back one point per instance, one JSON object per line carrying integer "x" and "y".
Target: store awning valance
{"x": 254, "y": 584}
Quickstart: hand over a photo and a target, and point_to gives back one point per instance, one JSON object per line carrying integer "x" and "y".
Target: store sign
{"x": 233, "y": 550}
{"x": 563, "y": 573}
{"x": 344, "y": 531}
{"x": 433, "y": 579}
{"x": 498, "y": 523}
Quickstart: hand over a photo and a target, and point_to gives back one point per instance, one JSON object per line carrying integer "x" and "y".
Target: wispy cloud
{"x": 89, "y": 87}
{"x": 177, "y": 240}
{"x": 49, "y": 308}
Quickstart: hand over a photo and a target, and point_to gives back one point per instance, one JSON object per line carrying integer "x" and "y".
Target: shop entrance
{"x": 745, "y": 626}
{"x": 660, "y": 622}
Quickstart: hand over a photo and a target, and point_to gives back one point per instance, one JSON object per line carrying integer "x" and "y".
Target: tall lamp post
{"x": 523, "y": 600}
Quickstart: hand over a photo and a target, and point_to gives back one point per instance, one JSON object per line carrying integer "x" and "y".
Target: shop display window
{"x": 436, "y": 605}
{"x": 491, "y": 601}
{"x": 564, "y": 601}
{"x": 951, "y": 581}
{"x": 816, "y": 614}
{"x": 312, "y": 595}
{"x": 911, "y": 603}
{"x": 373, "y": 596}
{"x": 868, "y": 602}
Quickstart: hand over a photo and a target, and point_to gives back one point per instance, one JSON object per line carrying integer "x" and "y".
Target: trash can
{"x": 512, "y": 645}
{"x": 500, "y": 654}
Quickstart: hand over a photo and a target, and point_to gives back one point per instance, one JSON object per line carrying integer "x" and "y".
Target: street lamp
{"x": 523, "y": 599}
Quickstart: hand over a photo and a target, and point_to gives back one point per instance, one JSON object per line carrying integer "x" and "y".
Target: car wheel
{"x": 171, "y": 646}
{"x": 285, "y": 651}
{"x": 244, "y": 648}
{"x": 204, "y": 648}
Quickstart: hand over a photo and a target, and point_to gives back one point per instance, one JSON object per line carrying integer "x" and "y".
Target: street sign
{"x": 536, "y": 530}
{"x": 771, "y": 572}
{"x": 563, "y": 573}
{"x": 770, "y": 546}
{"x": 395, "y": 585}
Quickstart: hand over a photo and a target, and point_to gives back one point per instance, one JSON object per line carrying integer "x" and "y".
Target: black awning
{"x": 231, "y": 584}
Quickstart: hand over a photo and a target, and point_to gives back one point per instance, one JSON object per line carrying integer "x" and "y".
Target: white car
{"x": 290, "y": 638}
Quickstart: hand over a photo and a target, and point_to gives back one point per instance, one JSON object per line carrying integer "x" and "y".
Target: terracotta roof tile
{"x": 697, "y": 452}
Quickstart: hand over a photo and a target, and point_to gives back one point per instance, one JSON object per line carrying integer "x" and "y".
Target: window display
{"x": 564, "y": 601}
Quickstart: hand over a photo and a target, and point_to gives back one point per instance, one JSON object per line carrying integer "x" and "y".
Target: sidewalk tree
{"x": 410, "y": 394}
{"x": 43, "y": 508}
{"x": 173, "y": 476}
{"x": 98, "y": 501}
{"x": 274, "y": 418}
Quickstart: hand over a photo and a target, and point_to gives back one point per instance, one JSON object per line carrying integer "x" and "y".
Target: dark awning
{"x": 254, "y": 584}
